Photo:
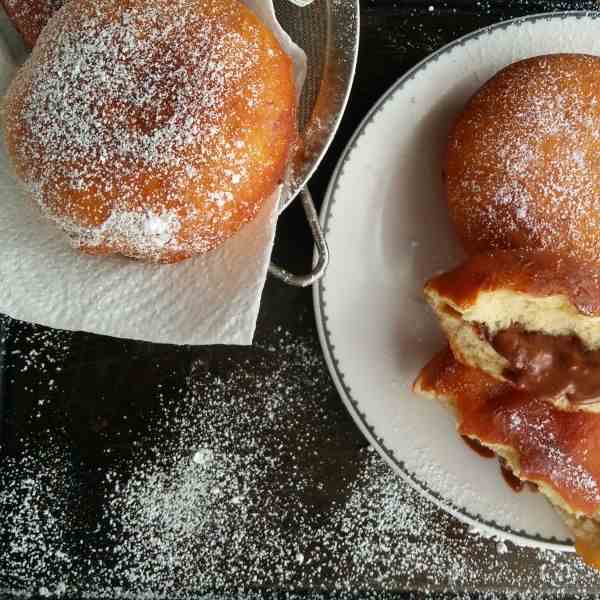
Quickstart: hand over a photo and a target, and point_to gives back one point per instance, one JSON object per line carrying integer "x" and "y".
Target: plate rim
{"x": 486, "y": 526}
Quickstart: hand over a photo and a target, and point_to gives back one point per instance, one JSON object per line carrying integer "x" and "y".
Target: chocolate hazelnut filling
{"x": 549, "y": 366}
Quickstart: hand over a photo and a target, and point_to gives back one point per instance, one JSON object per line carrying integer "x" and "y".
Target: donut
{"x": 522, "y": 165}
{"x": 30, "y": 16}
{"x": 530, "y": 319}
{"x": 153, "y": 130}
{"x": 556, "y": 451}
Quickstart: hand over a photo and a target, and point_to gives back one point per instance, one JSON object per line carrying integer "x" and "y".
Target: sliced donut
{"x": 531, "y": 319}
{"x": 557, "y": 451}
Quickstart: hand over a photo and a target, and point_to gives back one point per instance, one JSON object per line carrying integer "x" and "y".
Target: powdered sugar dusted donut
{"x": 152, "y": 129}
{"x": 523, "y": 160}
{"x": 31, "y": 16}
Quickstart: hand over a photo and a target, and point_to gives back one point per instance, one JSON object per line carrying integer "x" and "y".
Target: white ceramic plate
{"x": 388, "y": 232}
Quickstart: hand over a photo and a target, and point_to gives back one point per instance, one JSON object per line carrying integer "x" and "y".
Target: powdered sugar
{"x": 545, "y": 455}
{"x": 249, "y": 476}
{"x": 501, "y": 547}
{"x": 147, "y": 230}
{"x": 35, "y": 524}
{"x": 31, "y": 16}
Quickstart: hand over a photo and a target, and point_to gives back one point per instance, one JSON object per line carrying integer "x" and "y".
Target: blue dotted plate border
{"x": 321, "y": 306}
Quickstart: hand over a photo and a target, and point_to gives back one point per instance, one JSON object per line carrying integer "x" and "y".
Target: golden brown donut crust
{"x": 153, "y": 130}
{"x": 554, "y": 447}
{"x": 523, "y": 160}
{"x": 534, "y": 273}
{"x": 30, "y": 16}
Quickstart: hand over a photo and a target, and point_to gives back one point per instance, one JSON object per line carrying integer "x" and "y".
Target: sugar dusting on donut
{"x": 30, "y": 16}
{"x": 539, "y": 435}
{"x": 523, "y": 164}
{"x": 127, "y": 123}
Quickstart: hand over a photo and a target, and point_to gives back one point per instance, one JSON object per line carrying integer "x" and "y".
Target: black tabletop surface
{"x": 131, "y": 469}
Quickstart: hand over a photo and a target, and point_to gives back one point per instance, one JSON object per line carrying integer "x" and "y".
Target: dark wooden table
{"x": 92, "y": 500}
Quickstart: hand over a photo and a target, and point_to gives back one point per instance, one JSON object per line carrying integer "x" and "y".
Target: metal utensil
{"x": 328, "y": 31}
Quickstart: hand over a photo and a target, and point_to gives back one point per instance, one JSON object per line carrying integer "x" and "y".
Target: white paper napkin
{"x": 211, "y": 299}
